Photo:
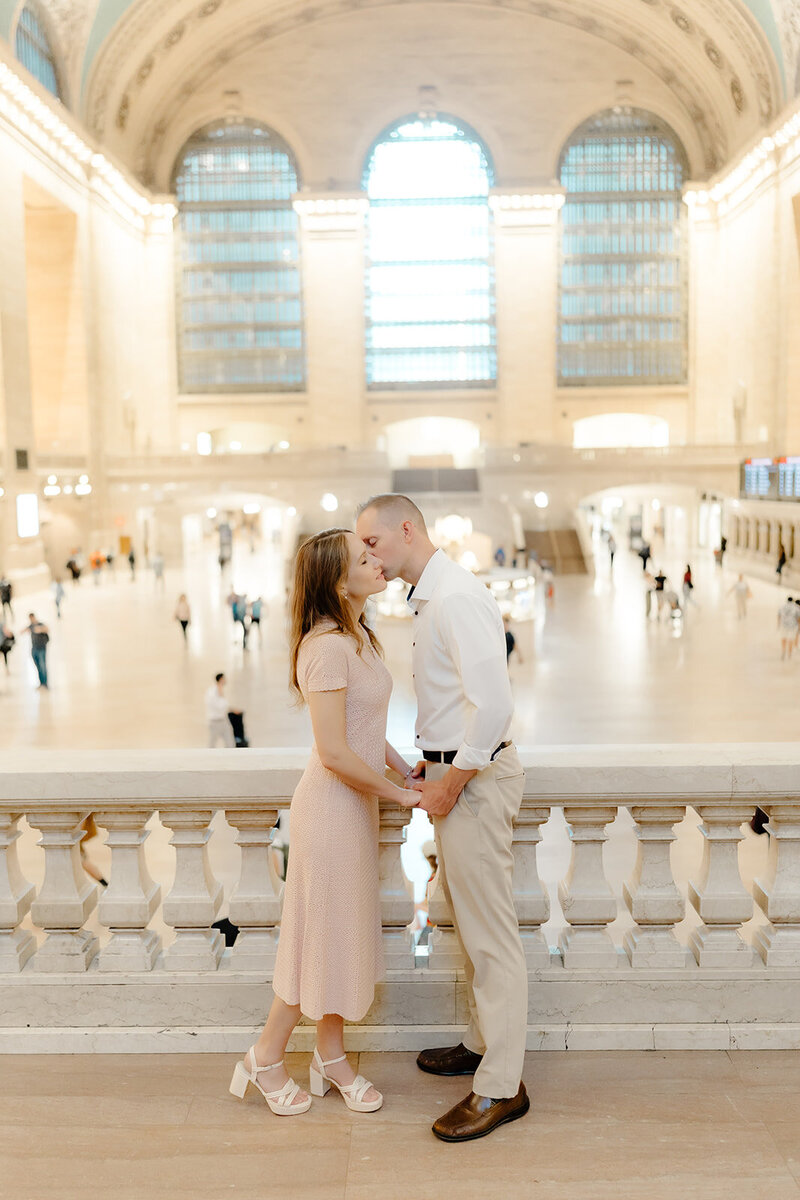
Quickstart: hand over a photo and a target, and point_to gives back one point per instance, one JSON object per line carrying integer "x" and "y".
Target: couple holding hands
{"x": 470, "y": 781}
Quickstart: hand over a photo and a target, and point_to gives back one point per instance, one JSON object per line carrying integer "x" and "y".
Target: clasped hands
{"x": 436, "y": 796}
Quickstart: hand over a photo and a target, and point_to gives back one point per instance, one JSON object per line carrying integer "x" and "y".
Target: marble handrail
{"x": 722, "y": 783}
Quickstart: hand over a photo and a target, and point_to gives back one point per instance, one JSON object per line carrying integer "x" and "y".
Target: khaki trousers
{"x": 475, "y": 869}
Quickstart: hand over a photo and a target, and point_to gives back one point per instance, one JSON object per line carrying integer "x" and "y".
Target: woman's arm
{"x": 396, "y": 762}
{"x": 329, "y": 722}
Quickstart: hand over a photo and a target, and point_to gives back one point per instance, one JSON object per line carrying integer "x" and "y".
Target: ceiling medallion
{"x": 145, "y": 69}
{"x": 210, "y": 6}
{"x": 174, "y": 36}
{"x": 738, "y": 94}
{"x": 714, "y": 55}
{"x": 682, "y": 21}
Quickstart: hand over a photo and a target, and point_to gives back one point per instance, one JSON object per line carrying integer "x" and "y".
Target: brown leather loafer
{"x": 449, "y": 1060}
{"x": 475, "y": 1116}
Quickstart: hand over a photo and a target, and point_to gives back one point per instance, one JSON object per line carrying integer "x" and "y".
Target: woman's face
{"x": 365, "y": 574}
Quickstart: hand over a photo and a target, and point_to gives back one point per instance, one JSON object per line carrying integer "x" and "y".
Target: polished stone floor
{"x": 593, "y": 670}
{"x": 603, "y": 1126}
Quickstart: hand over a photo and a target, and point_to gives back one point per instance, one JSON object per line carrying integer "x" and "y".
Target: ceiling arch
{"x": 714, "y": 57}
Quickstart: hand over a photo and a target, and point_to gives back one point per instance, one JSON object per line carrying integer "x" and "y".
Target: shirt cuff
{"x": 469, "y": 759}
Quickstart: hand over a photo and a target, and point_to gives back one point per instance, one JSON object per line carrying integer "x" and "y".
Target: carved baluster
{"x": 195, "y": 897}
{"x": 779, "y": 895}
{"x": 654, "y": 901}
{"x": 256, "y": 901}
{"x": 67, "y": 895}
{"x": 132, "y": 897}
{"x": 530, "y": 898}
{"x": 397, "y": 903}
{"x": 720, "y": 897}
{"x": 587, "y": 900}
{"x": 16, "y": 945}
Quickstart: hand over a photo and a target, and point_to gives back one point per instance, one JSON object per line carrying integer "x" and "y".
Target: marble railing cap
{"x": 554, "y": 774}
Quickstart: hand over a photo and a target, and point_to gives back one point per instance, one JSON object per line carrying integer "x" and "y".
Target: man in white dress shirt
{"x": 473, "y": 790}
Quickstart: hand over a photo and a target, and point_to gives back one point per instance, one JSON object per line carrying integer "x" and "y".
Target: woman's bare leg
{"x": 330, "y": 1043}
{"x": 271, "y": 1047}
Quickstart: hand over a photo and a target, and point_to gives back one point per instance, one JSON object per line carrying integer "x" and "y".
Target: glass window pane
{"x": 622, "y": 253}
{"x": 429, "y": 278}
{"x": 32, "y": 48}
{"x": 239, "y": 278}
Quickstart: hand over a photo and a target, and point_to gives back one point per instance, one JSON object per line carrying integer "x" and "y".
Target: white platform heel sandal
{"x": 279, "y": 1101}
{"x": 352, "y": 1093}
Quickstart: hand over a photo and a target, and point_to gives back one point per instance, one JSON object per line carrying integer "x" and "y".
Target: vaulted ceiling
{"x": 143, "y": 73}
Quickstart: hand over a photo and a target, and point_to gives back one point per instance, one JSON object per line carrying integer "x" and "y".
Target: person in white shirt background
{"x": 473, "y": 790}
{"x": 217, "y": 709}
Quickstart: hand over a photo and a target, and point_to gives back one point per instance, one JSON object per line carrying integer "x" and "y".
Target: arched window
{"x": 622, "y": 311}
{"x": 429, "y": 284}
{"x": 32, "y": 48}
{"x": 240, "y": 311}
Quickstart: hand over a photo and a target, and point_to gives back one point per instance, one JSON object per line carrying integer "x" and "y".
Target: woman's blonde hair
{"x": 320, "y": 568}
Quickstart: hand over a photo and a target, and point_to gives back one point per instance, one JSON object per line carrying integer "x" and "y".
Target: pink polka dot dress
{"x": 330, "y": 952}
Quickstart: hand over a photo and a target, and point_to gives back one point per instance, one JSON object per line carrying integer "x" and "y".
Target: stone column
{"x": 526, "y": 282}
{"x": 530, "y": 899}
{"x": 67, "y": 896}
{"x": 132, "y": 897}
{"x": 195, "y": 897}
{"x": 16, "y": 893}
{"x": 257, "y": 899}
{"x": 588, "y": 903}
{"x": 652, "y": 896}
{"x": 779, "y": 894}
{"x": 397, "y": 903}
{"x": 720, "y": 897}
{"x": 332, "y": 248}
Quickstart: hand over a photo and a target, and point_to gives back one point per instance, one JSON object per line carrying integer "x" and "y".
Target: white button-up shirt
{"x": 464, "y": 700}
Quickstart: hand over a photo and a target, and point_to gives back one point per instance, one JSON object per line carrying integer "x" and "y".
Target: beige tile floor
{"x": 603, "y": 1126}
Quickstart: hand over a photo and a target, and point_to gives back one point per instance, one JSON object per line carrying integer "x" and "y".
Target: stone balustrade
{"x": 621, "y": 954}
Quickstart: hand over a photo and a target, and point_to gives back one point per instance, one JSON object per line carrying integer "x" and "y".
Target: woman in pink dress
{"x": 330, "y": 953}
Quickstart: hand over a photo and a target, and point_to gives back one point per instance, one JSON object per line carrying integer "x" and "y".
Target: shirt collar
{"x": 425, "y": 586}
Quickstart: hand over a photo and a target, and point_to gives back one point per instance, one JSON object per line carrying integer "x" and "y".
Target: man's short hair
{"x": 394, "y": 506}
{"x": 220, "y": 676}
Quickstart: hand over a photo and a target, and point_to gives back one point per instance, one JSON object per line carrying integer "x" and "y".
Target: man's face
{"x": 387, "y": 542}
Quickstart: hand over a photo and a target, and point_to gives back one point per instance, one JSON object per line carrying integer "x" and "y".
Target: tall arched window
{"x": 429, "y": 284}
{"x": 32, "y": 48}
{"x": 240, "y": 311}
{"x": 622, "y": 312}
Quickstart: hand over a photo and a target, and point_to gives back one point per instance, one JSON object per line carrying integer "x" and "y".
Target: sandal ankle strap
{"x": 256, "y": 1067}
{"x": 331, "y": 1061}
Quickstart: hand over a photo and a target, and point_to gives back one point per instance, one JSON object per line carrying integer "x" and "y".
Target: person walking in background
{"x": 6, "y": 591}
{"x": 73, "y": 567}
{"x": 158, "y": 569}
{"x": 238, "y": 603}
{"x": 787, "y": 627}
{"x": 183, "y": 614}
{"x": 688, "y": 587}
{"x": 612, "y": 549}
{"x": 255, "y": 609}
{"x": 219, "y": 727}
{"x": 57, "y": 589}
{"x": 644, "y": 554}
{"x": 96, "y": 561}
{"x": 660, "y": 582}
{"x": 781, "y": 559}
{"x": 742, "y": 593}
{"x": 132, "y": 563}
{"x": 7, "y": 640}
{"x": 39, "y": 639}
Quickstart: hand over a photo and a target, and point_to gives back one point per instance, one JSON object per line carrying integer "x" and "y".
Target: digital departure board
{"x": 759, "y": 479}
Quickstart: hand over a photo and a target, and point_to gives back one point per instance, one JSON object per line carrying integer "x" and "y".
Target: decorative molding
{"x": 331, "y": 213}
{"x": 526, "y": 210}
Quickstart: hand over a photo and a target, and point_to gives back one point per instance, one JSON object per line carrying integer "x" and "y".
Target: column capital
{"x": 331, "y": 213}
{"x": 524, "y": 210}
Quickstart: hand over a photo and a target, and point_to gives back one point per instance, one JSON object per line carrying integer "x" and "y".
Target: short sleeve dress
{"x": 330, "y": 951}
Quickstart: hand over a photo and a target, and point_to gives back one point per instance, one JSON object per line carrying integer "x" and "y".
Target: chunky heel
{"x": 281, "y": 1101}
{"x": 239, "y": 1082}
{"x": 319, "y": 1085}
{"x": 352, "y": 1093}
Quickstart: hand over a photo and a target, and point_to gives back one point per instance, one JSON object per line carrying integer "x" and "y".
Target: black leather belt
{"x": 447, "y": 756}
